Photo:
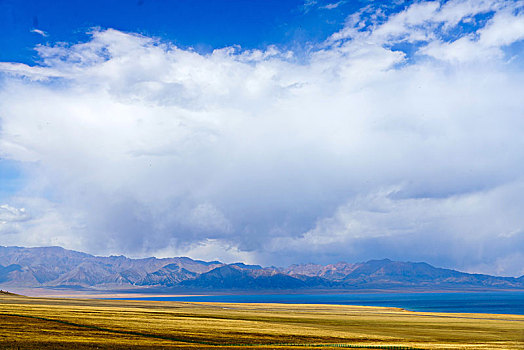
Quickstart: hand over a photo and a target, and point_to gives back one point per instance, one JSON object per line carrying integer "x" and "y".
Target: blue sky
{"x": 201, "y": 24}
{"x": 269, "y": 132}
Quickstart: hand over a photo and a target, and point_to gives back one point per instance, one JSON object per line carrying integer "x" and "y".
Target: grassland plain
{"x": 59, "y": 323}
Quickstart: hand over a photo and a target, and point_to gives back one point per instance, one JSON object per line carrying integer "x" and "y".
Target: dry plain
{"x": 63, "y": 323}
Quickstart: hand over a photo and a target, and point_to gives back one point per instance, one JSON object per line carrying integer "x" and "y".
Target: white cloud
{"x": 333, "y": 5}
{"x": 141, "y": 147}
{"x": 452, "y": 13}
{"x": 487, "y": 43}
{"x": 9, "y": 214}
{"x": 44, "y": 224}
{"x": 210, "y": 250}
{"x": 468, "y": 227}
{"x": 505, "y": 28}
{"x": 308, "y": 4}
{"x": 40, "y": 32}
{"x": 429, "y": 22}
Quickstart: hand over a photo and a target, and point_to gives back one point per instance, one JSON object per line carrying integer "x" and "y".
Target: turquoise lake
{"x": 476, "y": 302}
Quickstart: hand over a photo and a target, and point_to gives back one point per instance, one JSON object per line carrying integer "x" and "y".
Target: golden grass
{"x": 53, "y": 323}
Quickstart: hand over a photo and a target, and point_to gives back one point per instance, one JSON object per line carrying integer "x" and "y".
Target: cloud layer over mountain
{"x": 399, "y": 136}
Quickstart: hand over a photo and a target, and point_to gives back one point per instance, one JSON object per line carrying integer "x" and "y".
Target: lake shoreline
{"x": 477, "y": 301}
{"x": 459, "y": 302}
{"x": 50, "y": 323}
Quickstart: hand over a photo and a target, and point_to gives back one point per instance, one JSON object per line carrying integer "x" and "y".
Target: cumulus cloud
{"x": 505, "y": 28}
{"x": 362, "y": 149}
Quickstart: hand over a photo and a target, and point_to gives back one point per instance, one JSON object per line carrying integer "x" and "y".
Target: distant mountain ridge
{"x": 58, "y": 267}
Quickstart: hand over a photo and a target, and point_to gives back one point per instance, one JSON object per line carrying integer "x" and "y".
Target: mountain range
{"x": 56, "y": 267}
